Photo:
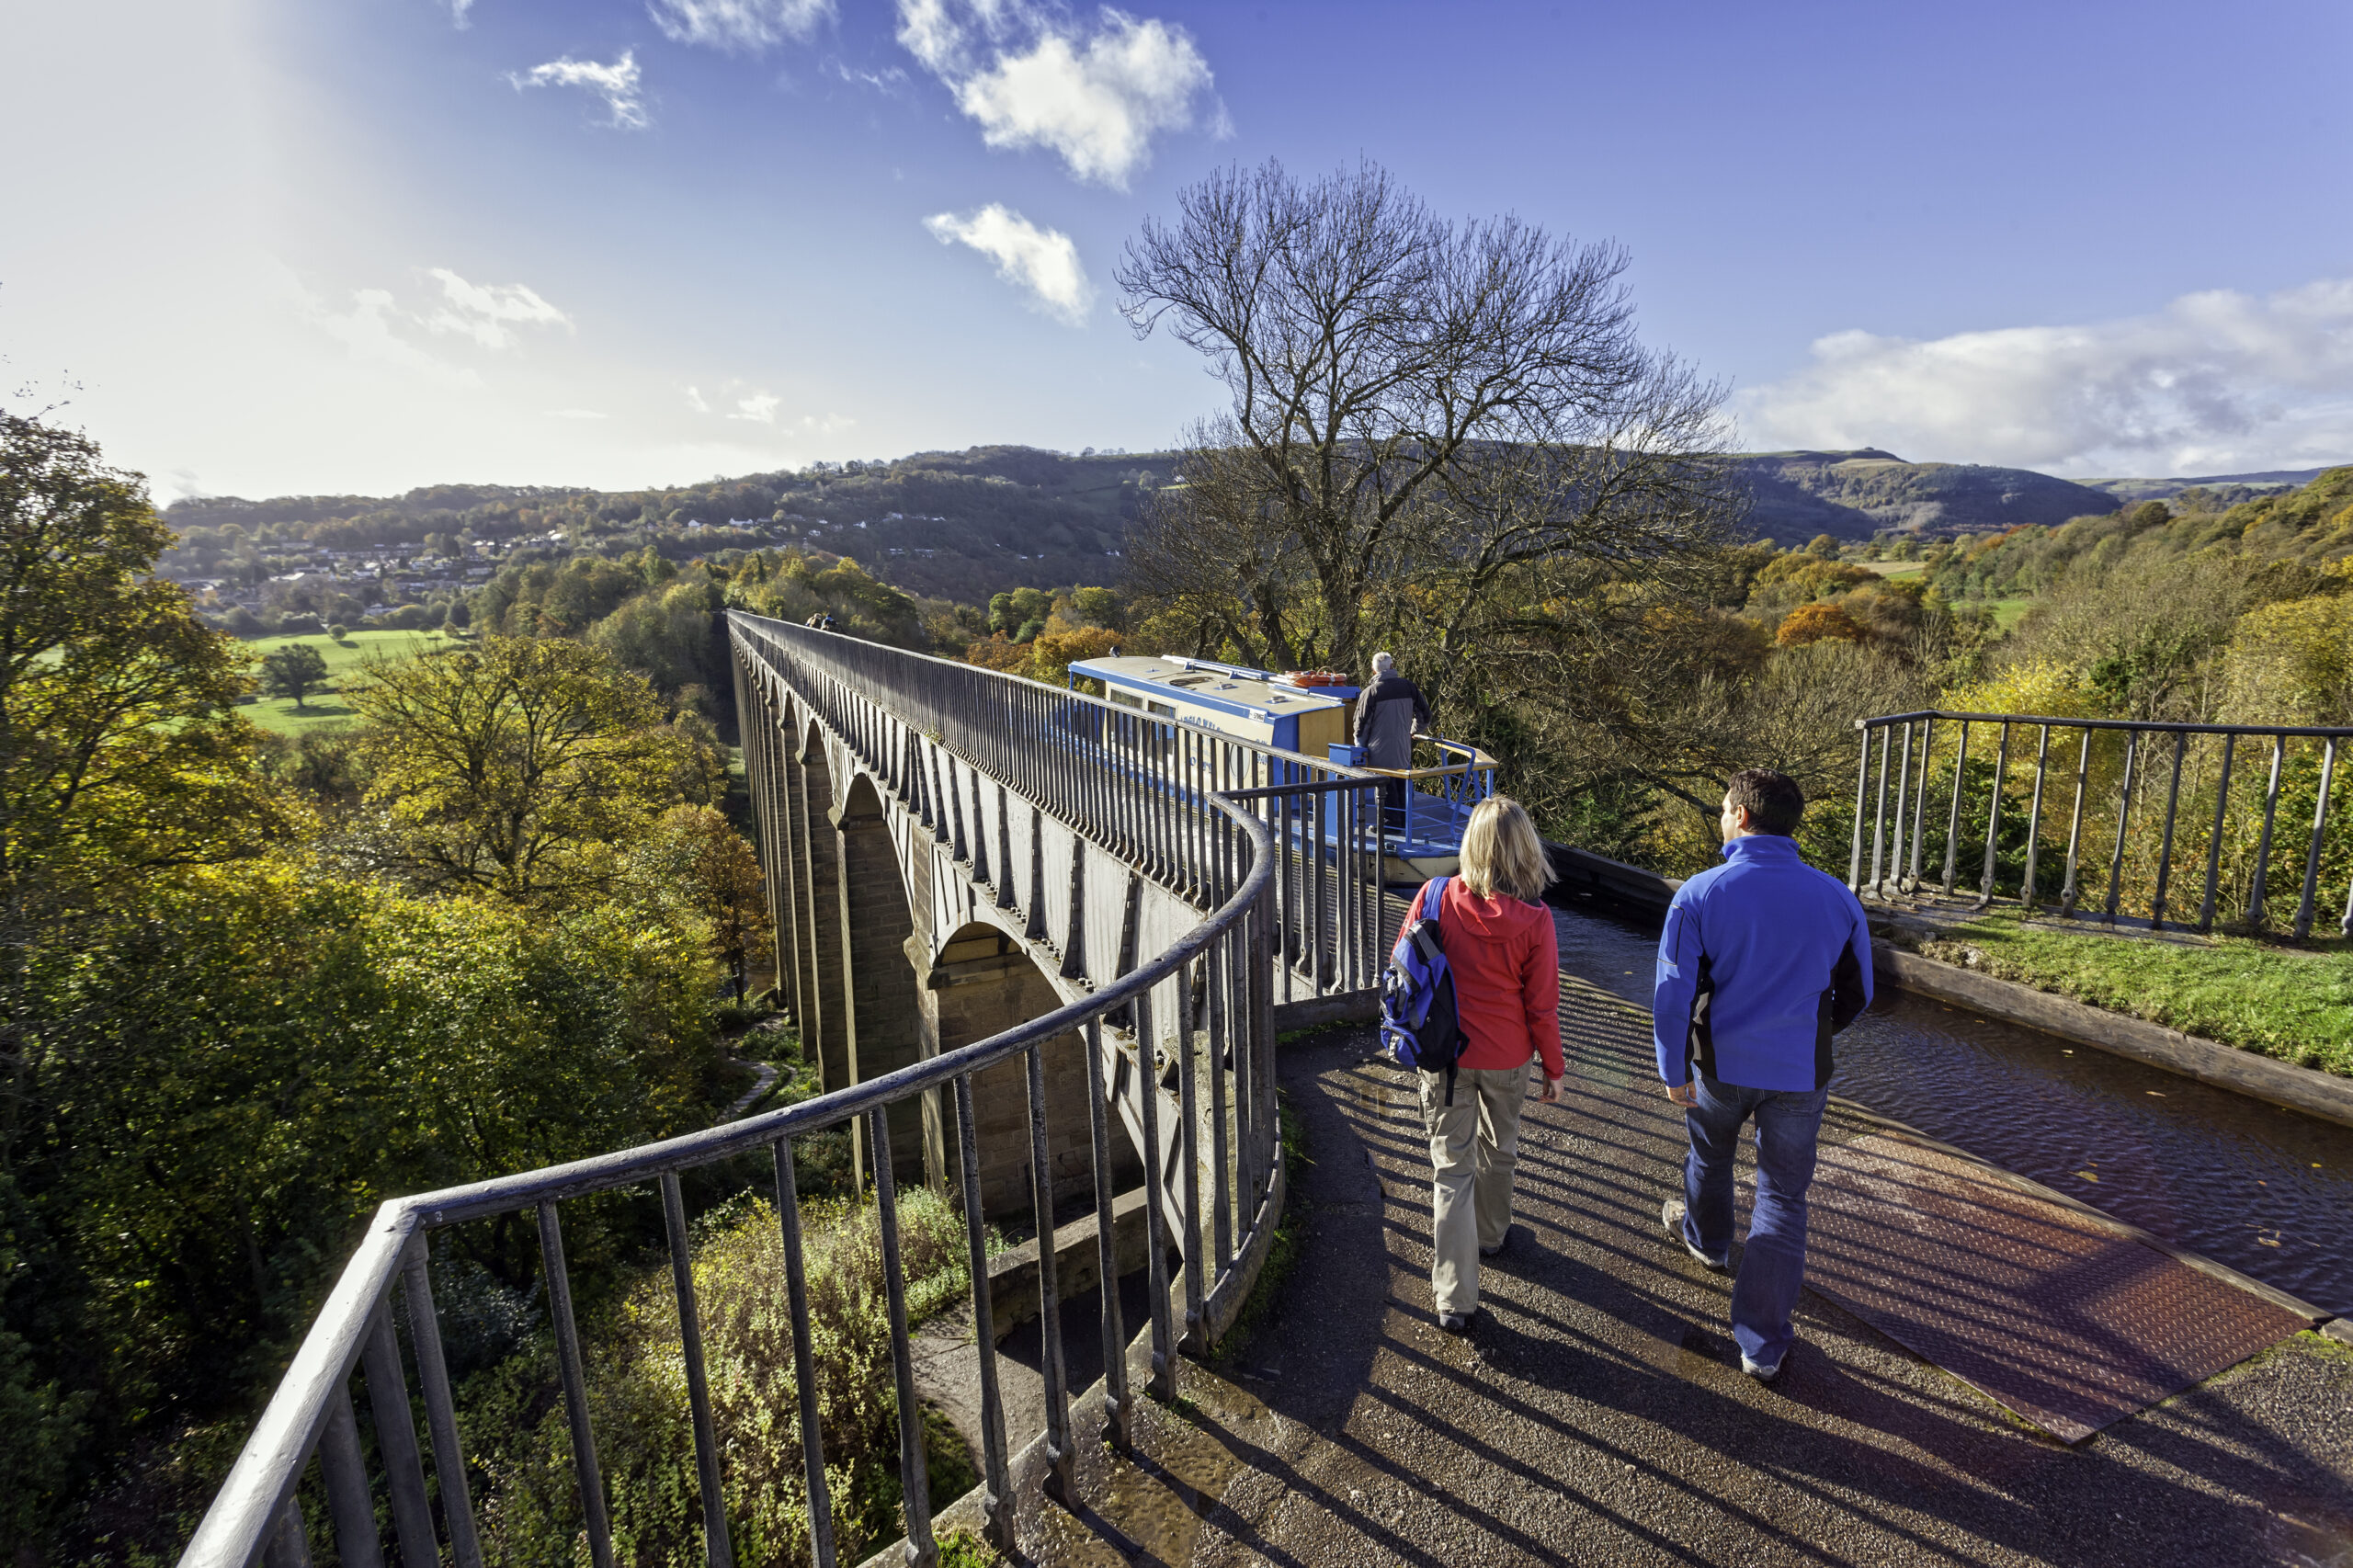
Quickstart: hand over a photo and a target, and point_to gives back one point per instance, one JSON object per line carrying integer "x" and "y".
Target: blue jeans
{"x": 1772, "y": 1269}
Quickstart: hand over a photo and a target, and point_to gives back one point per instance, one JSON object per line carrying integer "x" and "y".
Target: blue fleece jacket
{"x": 1762, "y": 959}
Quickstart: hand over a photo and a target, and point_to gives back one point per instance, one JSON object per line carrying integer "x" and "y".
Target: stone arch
{"x": 815, "y": 854}
{"x": 882, "y": 1016}
{"x": 981, "y": 982}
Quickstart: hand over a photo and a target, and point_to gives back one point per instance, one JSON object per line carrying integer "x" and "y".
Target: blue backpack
{"x": 1418, "y": 1024}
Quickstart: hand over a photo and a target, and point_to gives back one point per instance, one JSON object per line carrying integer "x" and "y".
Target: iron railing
{"x": 2148, "y": 807}
{"x": 1200, "y": 1012}
{"x": 1138, "y": 785}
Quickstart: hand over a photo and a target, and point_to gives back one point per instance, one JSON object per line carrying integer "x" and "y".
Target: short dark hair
{"x": 1773, "y": 801}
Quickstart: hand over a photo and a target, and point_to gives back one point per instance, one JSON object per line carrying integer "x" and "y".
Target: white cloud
{"x": 485, "y": 312}
{"x": 1098, "y": 96}
{"x": 890, "y": 79}
{"x": 695, "y": 400}
{"x": 748, "y": 25}
{"x": 2218, "y": 381}
{"x": 617, "y": 84}
{"x": 760, "y": 408}
{"x": 576, "y": 413}
{"x": 930, "y": 32}
{"x": 368, "y": 333}
{"x": 1043, "y": 261}
{"x": 458, "y": 9}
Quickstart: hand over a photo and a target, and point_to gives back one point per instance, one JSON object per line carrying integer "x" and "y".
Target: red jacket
{"x": 1505, "y": 958}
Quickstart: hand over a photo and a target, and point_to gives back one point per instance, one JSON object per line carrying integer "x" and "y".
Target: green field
{"x": 1893, "y": 568}
{"x": 343, "y": 660}
{"x": 2007, "y": 613}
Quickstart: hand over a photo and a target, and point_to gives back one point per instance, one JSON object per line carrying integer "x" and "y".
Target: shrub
{"x": 638, "y": 1395}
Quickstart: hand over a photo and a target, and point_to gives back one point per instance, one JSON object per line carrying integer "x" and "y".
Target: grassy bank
{"x": 2295, "y": 1004}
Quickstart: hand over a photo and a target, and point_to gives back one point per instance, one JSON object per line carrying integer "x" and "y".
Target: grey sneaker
{"x": 1672, "y": 1215}
{"x": 1500, "y": 1248}
{"x": 1457, "y": 1322}
{"x": 1763, "y": 1373}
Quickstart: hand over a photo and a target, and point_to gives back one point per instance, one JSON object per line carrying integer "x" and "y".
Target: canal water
{"x": 2264, "y": 1189}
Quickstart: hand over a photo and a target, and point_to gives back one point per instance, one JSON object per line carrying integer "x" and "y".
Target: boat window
{"x": 1125, "y": 698}
{"x": 1160, "y": 707}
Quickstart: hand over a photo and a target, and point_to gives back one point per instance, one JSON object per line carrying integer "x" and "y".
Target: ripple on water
{"x": 2264, "y": 1189}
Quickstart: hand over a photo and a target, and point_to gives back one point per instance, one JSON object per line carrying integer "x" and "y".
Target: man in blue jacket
{"x": 1762, "y": 959}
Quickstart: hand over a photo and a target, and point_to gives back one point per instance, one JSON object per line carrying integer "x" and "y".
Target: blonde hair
{"x": 1502, "y": 853}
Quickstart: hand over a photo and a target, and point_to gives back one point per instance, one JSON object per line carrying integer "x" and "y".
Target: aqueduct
{"x": 1040, "y": 946}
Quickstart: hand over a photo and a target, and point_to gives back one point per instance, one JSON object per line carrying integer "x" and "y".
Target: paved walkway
{"x": 1598, "y": 1414}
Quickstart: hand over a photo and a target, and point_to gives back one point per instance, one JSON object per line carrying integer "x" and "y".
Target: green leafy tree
{"x": 514, "y": 767}
{"x": 122, "y": 765}
{"x": 293, "y": 671}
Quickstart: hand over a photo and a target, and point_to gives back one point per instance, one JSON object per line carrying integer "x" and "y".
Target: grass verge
{"x": 2292, "y": 1004}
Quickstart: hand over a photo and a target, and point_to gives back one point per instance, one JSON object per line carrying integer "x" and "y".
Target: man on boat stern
{"x": 1388, "y": 712}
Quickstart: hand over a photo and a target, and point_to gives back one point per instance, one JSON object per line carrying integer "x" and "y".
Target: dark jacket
{"x": 1388, "y": 711}
{"x": 1762, "y": 959}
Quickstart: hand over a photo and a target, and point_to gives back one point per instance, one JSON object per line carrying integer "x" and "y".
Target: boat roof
{"x": 1205, "y": 683}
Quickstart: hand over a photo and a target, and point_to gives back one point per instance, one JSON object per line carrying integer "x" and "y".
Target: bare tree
{"x": 1445, "y": 431}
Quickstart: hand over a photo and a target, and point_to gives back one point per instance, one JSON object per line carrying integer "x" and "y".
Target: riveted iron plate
{"x": 2046, "y": 1310}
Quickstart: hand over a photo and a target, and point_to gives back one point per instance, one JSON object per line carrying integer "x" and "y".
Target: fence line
{"x": 2167, "y": 802}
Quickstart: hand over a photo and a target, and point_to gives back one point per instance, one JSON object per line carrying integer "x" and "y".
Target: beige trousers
{"x": 1474, "y": 1150}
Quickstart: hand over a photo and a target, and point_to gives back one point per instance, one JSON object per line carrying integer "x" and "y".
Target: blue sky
{"x": 267, "y": 247}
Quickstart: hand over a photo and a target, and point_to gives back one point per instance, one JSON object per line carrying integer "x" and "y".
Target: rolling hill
{"x": 1852, "y": 496}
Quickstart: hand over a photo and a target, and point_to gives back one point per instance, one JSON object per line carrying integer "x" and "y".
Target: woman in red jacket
{"x": 1506, "y": 959}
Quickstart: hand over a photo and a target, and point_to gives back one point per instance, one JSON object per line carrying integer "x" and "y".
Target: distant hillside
{"x": 958, "y": 525}
{"x": 967, "y": 525}
{"x": 1853, "y": 495}
{"x": 2221, "y": 489}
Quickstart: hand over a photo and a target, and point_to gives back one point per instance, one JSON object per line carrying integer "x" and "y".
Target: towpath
{"x": 1597, "y": 1414}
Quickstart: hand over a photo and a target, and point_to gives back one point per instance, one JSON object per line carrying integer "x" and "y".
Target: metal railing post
{"x": 2262, "y": 845}
{"x": 2320, "y": 832}
{"x": 1163, "y": 1340}
{"x": 2034, "y": 821}
{"x": 576, "y": 1389}
{"x": 718, "y": 1552}
{"x": 1062, "y": 1463}
{"x": 1953, "y": 824}
{"x": 1863, "y": 790}
{"x": 1902, "y": 799}
{"x": 396, "y": 1439}
{"x": 2164, "y": 851}
{"x": 1118, "y": 1412}
{"x": 2214, "y": 840}
{"x": 804, "y": 1365}
{"x": 2123, "y": 816}
{"x": 914, "y": 1478}
{"x": 996, "y": 1502}
{"x": 440, "y": 1410}
{"x": 1993, "y": 818}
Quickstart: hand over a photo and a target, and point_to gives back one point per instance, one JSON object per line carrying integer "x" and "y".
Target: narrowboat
{"x": 1313, "y": 717}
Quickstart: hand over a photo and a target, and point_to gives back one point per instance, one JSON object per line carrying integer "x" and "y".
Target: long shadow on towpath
{"x": 1597, "y": 1413}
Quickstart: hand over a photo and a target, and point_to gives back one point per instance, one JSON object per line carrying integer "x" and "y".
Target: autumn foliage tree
{"x": 695, "y": 860}
{"x": 1814, "y": 623}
